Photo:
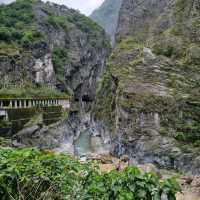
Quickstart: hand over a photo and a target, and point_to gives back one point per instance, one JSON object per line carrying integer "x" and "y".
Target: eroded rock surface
{"x": 149, "y": 96}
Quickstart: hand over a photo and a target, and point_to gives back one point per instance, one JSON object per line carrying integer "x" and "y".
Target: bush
{"x": 52, "y": 114}
{"x": 5, "y": 34}
{"x": 19, "y": 117}
{"x": 57, "y": 21}
{"x": 60, "y": 59}
{"x": 29, "y": 37}
{"x": 17, "y": 23}
{"x": 30, "y": 174}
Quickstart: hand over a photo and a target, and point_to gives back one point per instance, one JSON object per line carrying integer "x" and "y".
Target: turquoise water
{"x": 83, "y": 144}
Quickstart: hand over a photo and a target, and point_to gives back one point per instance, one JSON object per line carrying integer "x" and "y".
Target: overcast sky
{"x": 85, "y": 6}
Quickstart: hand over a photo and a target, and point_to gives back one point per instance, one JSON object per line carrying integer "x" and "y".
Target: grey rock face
{"x": 37, "y": 65}
{"x": 146, "y": 93}
{"x": 85, "y": 43}
{"x": 43, "y": 137}
{"x": 146, "y": 112}
{"x": 107, "y": 16}
{"x": 137, "y": 16}
{"x": 151, "y": 17}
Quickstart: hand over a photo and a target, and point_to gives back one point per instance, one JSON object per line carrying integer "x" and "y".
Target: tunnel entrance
{"x": 87, "y": 98}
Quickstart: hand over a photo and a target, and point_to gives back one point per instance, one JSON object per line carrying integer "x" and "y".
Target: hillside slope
{"x": 149, "y": 96}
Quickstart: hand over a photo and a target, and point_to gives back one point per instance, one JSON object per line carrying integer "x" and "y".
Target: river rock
{"x": 125, "y": 158}
{"x": 106, "y": 167}
{"x": 187, "y": 196}
{"x": 196, "y": 183}
{"x": 184, "y": 181}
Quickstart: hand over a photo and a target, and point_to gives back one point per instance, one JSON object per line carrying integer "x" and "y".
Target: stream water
{"x": 83, "y": 145}
{"x": 86, "y": 144}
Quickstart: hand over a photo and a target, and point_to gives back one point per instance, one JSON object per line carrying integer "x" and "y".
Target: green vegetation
{"x": 178, "y": 60}
{"x": 130, "y": 43}
{"x": 119, "y": 72}
{"x": 183, "y": 11}
{"x": 188, "y": 127}
{"x": 81, "y": 22}
{"x": 19, "y": 117}
{"x": 30, "y": 92}
{"x": 52, "y": 114}
{"x": 57, "y": 21}
{"x": 24, "y": 37}
{"x": 4, "y": 124}
{"x": 85, "y": 24}
{"x": 4, "y": 142}
{"x": 8, "y": 49}
{"x": 30, "y": 174}
{"x": 60, "y": 60}
{"x": 93, "y": 30}
{"x": 17, "y": 24}
{"x": 105, "y": 107}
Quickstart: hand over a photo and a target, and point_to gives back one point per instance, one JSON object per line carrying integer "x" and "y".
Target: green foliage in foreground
{"x": 30, "y": 174}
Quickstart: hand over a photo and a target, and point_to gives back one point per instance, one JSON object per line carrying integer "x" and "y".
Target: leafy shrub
{"x": 130, "y": 43}
{"x": 29, "y": 37}
{"x": 60, "y": 59}
{"x": 21, "y": 10}
{"x": 5, "y": 34}
{"x": 19, "y": 117}
{"x": 17, "y": 23}
{"x": 84, "y": 23}
{"x": 30, "y": 174}
{"x": 4, "y": 142}
{"x": 57, "y": 21}
{"x": 52, "y": 114}
{"x": 104, "y": 109}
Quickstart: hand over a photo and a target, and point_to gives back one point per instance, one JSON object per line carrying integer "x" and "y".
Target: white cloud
{"x": 85, "y": 6}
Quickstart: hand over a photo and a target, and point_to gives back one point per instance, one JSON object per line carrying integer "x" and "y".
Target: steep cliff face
{"x": 149, "y": 96}
{"x": 47, "y": 44}
{"x": 107, "y": 16}
{"x": 145, "y": 19}
{"x": 44, "y": 45}
{"x": 138, "y": 17}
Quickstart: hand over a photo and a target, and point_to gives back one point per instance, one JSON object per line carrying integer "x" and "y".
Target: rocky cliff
{"x": 149, "y": 96}
{"x": 107, "y": 16}
{"x": 47, "y": 44}
{"x": 44, "y": 45}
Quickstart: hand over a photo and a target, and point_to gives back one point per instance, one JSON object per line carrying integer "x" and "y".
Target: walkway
{"x": 8, "y": 103}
